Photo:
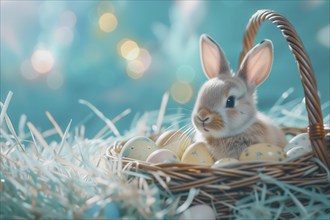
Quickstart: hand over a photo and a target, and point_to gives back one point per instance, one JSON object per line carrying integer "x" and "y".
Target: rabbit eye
{"x": 230, "y": 102}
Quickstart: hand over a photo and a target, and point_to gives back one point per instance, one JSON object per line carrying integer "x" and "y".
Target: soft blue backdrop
{"x": 87, "y": 64}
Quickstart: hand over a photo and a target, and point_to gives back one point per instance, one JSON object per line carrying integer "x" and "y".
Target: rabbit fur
{"x": 225, "y": 115}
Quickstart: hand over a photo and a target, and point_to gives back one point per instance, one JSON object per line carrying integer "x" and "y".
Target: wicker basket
{"x": 223, "y": 187}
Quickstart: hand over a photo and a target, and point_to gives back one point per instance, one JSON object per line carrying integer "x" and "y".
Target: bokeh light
{"x": 185, "y": 73}
{"x": 128, "y": 49}
{"x": 63, "y": 36}
{"x": 135, "y": 69}
{"x": 27, "y": 70}
{"x": 181, "y": 92}
{"x": 42, "y": 61}
{"x": 108, "y": 22}
{"x": 323, "y": 36}
{"x": 145, "y": 58}
{"x": 68, "y": 19}
{"x": 55, "y": 80}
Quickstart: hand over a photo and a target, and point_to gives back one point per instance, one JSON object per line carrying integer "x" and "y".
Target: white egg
{"x": 163, "y": 156}
{"x": 301, "y": 140}
{"x": 175, "y": 141}
{"x": 224, "y": 162}
{"x": 197, "y": 153}
{"x": 297, "y": 152}
{"x": 138, "y": 148}
{"x": 198, "y": 212}
{"x": 263, "y": 152}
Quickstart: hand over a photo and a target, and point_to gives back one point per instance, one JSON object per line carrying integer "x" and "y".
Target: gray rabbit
{"x": 225, "y": 114}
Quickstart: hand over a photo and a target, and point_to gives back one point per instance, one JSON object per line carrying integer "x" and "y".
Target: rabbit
{"x": 225, "y": 115}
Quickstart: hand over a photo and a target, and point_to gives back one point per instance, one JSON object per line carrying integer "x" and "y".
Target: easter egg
{"x": 175, "y": 141}
{"x": 198, "y": 212}
{"x": 224, "y": 162}
{"x": 301, "y": 140}
{"x": 138, "y": 148}
{"x": 197, "y": 153}
{"x": 297, "y": 152}
{"x": 163, "y": 156}
{"x": 263, "y": 152}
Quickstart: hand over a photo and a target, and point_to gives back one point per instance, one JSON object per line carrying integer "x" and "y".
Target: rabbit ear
{"x": 213, "y": 60}
{"x": 257, "y": 64}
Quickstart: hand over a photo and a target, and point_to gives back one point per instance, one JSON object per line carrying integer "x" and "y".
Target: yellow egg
{"x": 224, "y": 162}
{"x": 138, "y": 148}
{"x": 175, "y": 141}
{"x": 163, "y": 156}
{"x": 197, "y": 153}
{"x": 263, "y": 152}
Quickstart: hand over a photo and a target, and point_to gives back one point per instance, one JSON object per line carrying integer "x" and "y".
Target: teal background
{"x": 91, "y": 68}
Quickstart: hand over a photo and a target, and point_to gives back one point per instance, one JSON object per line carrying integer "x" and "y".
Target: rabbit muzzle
{"x": 206, "y": 120}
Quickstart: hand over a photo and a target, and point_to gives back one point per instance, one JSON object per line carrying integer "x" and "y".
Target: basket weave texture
{"x": 223, "y": 187}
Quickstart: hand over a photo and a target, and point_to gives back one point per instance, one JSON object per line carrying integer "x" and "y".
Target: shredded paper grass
{"x": 61, "y": 174}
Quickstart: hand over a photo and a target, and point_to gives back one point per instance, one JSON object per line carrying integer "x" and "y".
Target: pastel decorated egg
{"x": 138, "y": 148}
{"x": 224, "y": 162}
{"x": 163, "y": 156}
{"x": 197, "y": 153}
{"x": 175, "y": 141}
{"x": 301, "y": 140}
{"x": 198, "y": 212}
{"x": 262, "y": 152}
{"x": 296, "y": 152}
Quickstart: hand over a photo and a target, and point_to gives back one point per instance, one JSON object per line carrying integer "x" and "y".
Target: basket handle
{"x": 315, "y": 128}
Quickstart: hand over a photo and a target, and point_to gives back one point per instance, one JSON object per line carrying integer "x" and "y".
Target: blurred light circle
{"x": 181, "y": 92}
{"x": 55, "y": 80}
{"x": 42, "y": 61}
{"x": 64, "y": 35}
{"x": 145, "y": 58}
{"x": 185, "y": 73}
{"x": 108, "y": 22}
{"x": 68, "y": 19}
{"x": 129, "y": 49}
{"x": 135, "y": 69}
{"x": 27, "y": 70}
{"x": 323, "y": 36}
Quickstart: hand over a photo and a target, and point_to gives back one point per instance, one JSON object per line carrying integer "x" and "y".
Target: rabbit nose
{"x": 204, "y": 119}
{"x": 203, "y": 115}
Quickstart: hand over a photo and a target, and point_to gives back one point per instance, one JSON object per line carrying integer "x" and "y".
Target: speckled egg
{"x": 197, "y": 153}
{"x": 301, "y": 140}
{"x": 163, "y": 156}
{"x": 296, "y": 152}
{"x": 263, "y": 152}
{"x": 224, "y": 162}
{"x": 175, "y": 141}
{"x": 138, "y": 148}
{"x": 198, "y": 212}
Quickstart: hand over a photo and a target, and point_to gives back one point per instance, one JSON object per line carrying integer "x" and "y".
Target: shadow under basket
{"x": 225, "y": 188}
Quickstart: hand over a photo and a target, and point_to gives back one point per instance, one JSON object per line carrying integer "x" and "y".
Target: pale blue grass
{"x": 68, "y": 178}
